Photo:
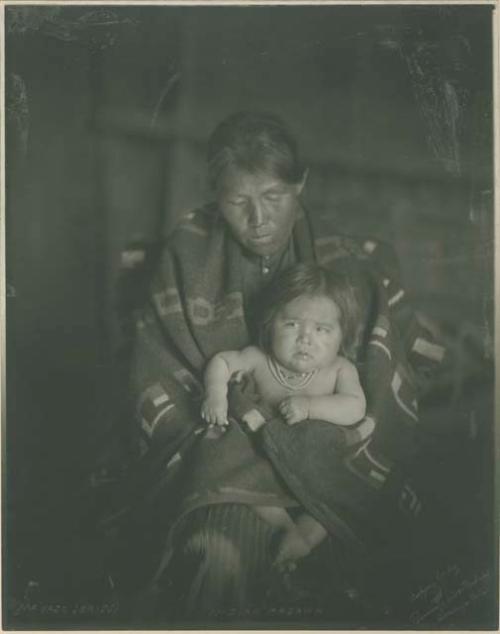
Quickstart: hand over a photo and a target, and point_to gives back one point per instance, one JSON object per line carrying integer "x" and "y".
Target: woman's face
{"x": 259, "y": 208}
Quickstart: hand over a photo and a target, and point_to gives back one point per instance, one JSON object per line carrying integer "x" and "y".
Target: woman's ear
{"x": 301, "y": 184}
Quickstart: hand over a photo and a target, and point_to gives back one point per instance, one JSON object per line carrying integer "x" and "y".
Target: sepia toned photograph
{"x": 249, "y": 317}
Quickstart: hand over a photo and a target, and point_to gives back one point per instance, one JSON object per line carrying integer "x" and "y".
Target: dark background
{"x": 107, "y": 113}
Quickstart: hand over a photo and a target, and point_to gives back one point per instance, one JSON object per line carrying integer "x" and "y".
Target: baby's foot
{"x": 293, "y": 547}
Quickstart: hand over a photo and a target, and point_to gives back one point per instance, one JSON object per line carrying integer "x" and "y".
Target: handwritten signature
{"x": 450, "y": 591}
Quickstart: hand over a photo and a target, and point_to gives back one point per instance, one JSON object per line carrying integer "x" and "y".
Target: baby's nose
{"x": 305, "y": 334}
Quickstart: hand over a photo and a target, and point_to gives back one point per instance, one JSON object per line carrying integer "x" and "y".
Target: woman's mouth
{"x": 262, "y": 239}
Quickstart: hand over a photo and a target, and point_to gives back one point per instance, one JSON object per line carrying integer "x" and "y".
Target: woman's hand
{"x": 294, "y": 409}
{"x": 214, "y": 410}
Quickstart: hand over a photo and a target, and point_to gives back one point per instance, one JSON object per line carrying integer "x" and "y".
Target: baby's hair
{"x": 342, "y": 284}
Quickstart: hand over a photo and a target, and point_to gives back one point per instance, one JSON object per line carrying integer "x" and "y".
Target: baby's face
{"x": 306, "y": 334}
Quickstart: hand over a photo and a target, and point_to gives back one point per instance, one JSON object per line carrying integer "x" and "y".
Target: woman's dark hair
{"x": 342, "y": 283}
{"x": 255, "y": 142}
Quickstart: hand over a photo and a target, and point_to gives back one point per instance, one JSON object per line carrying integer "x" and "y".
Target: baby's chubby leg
{"x": 293, "y": 544}
{"x": 300, "y": 541}
{"x": 311, "y": 530}
{"x": 276, "y": 516}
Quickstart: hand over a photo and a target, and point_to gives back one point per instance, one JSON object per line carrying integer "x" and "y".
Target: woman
{"x": 208, "y": 547}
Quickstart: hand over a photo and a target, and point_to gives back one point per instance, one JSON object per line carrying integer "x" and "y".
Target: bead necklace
{"x": 288, "y": 379}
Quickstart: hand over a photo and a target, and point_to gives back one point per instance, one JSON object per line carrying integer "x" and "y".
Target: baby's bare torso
{"x": 322, "y": 383}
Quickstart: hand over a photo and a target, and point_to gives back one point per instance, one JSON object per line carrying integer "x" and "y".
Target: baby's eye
{"x": 290, "y": 324}
{"x": 323, "y": 329}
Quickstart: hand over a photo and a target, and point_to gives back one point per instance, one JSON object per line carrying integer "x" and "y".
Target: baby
{"x": 309, "y": 319}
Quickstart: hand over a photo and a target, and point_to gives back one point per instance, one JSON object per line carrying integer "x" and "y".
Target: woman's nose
{"x": 256, "y": 216}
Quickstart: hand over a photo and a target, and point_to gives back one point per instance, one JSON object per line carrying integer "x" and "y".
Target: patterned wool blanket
{"x": 196, "y": 310}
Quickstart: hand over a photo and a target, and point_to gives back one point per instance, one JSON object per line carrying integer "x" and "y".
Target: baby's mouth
{"x": 303, "y": 354}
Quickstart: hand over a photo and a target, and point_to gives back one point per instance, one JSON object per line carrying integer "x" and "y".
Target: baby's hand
{"x": 294, "y": 409}
{"x": 214, "y": 410}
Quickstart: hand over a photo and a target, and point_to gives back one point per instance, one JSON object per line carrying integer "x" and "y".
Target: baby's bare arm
{"x": 347, "y": 405}
{"x": 218, "y": 372}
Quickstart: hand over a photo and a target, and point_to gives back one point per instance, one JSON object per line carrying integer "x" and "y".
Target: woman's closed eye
{"x": 273, "y": 197}
{"x": 236, "y": 202}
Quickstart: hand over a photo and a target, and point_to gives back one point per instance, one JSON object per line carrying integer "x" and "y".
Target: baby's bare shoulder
{"x": 253, "y": 355}
{"x": 344, "y": 363}
{"x": 246, "y": 359}
{"x": 254, "y": 352}
{"x": 339, "y": 365}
